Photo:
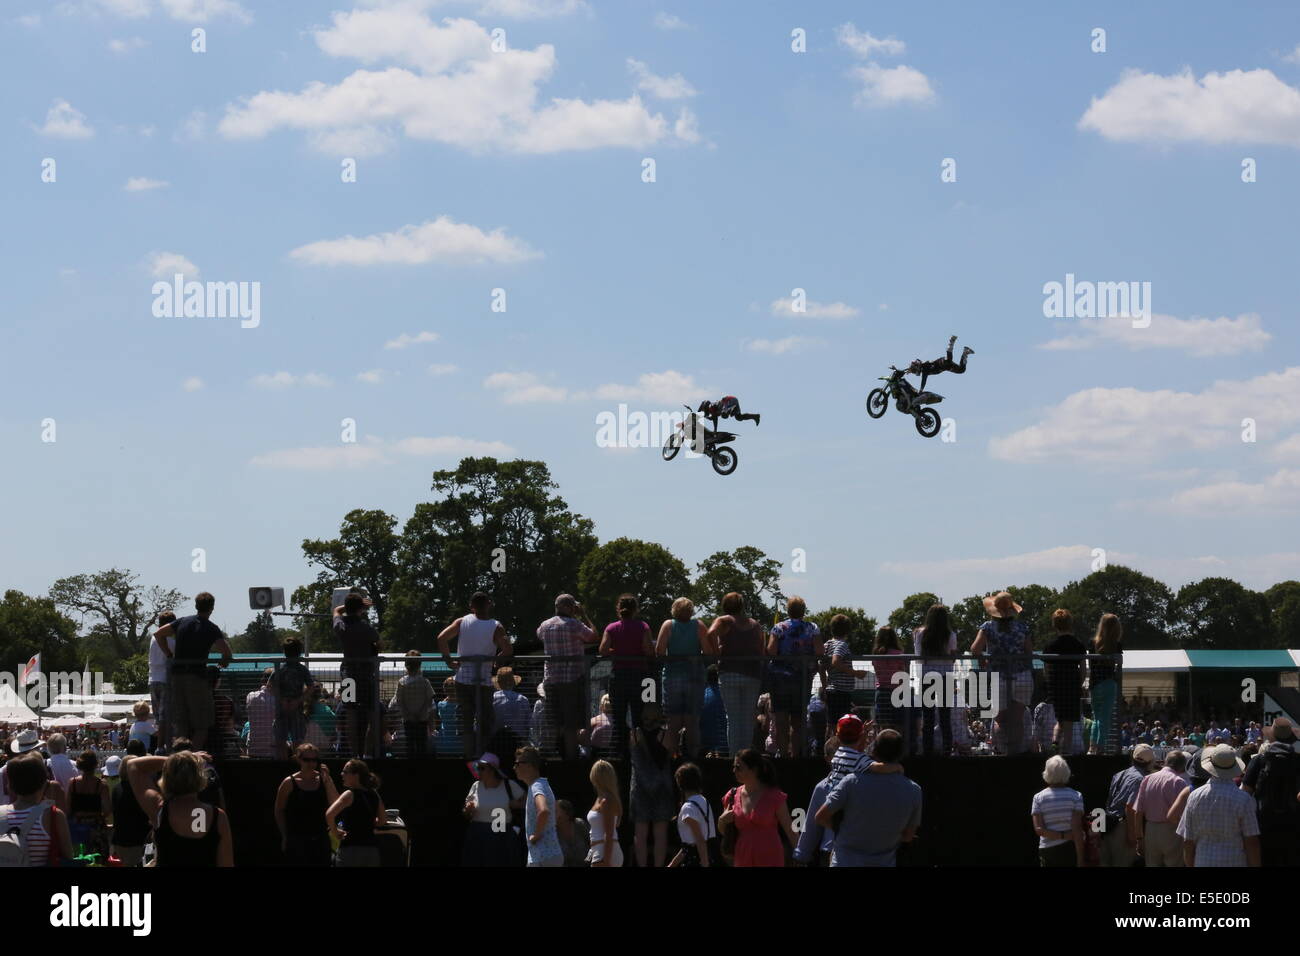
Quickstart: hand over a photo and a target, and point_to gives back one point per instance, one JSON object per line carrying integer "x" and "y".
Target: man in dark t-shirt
{"x": 191, "y": 693}
{"x": 1064, "y": 678}
{"x": 360, "y": 672}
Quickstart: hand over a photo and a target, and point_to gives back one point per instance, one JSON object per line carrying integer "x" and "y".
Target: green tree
{"x": 862, "y": 627}
{"x": 132, "y": 675}
{"x": 1219, "y": 613}
{"x": 910, "y": 616}
{"x": 33, "y": 625}
{"x": 499, "y": 528}
{"x": 967, "y": 616}
{"x": 364, "y": 555}
{"x": 1284, "y": 612}
{"x": 747, "y": 571}
{"x": 117, "y": 609}
{"x": 648, "y": 570}
{"x": 263, "y": 637}
{"x": 1141, "y": 602}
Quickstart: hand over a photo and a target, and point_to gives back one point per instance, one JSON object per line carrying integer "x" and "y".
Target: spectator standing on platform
{"x": 355, "y": 814}
{"x": 1161, "y": 845}
{"x": 1119, "y": 845}
{"x": 539, "y": 810}
{"x": 1219, "y": 826}
{"x": 565, "y": 636}
{"x": 795, "y": 646}
{"x": 300, "y": 806}
{"x": 482, "y": 642}
{"x": 842, "y": 675}
{"x": 713, "y": 715}
{"x": 190, "y": 697}
{"x": 758, "y": 810}
{"x": 414, "y": 702}
{"x": 601, "y": 731}
{"x": 1006, "y": 640}
{"x": 260, "y": 705}
{"x": 360, "y": 673}
{"x": 160, "y": 671}
{"x": 682, "y": 641}
{"x": 291, "y": 685}
{"x": 187, "y": 831}
{"x": 1064, "y": 678}
{"x": 512, "y": 712}
{"x": 489, "y": 839}
{"x": 741, "y": 646}
{"x": 628, "y": 641}
{"x": 1273, "y": 778}
{"x": 886, "y": 645}
{"x": 1057, "y": 812}
{"x": 604, "y": 816}
{"x": 651, "y": 788}
{"x": 881, "y": 811}
{"x": 1105, "y": 686}
{"x": 936, "y": 642}
{"x": 39, "y": 822}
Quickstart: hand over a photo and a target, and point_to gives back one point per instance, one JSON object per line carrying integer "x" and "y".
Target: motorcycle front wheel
{"x": 927, "y": 422}
{"x": 724, "y": 461}
{"x": 672, "y": 446}
{"x": 877, "y": 402}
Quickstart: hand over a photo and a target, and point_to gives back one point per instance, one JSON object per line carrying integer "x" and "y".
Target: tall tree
{"x": 862, "y": 627}
{"x": 364, "y": 554}
{"x": 1141, "y": 602}
{"x": 967, "y": 616}
{"x": 117, "y": 609}
{"x": 1219, "y": 614}
{"x": 498, "y": 527}
{"x": 747, "y": 571}
{"x": 33, "y": 625}
{"x": 1284, "y": 611}
{"x": 910, "y": 616}
{"x": 261, "y": 636}
{"x": 650, "y": 571}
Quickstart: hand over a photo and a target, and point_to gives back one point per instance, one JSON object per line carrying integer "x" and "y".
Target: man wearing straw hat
{"x": 1218, "y": 826}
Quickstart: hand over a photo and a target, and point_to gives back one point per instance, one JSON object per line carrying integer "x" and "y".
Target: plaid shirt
{"x": 261, "y": 706}
{"x": 564, "y": 637}
{"x": 1217, "y": 818}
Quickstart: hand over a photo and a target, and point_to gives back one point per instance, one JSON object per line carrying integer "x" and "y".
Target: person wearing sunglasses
{"x": 300, "y": 806}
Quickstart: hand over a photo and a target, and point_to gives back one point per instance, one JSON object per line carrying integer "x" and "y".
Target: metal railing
{"x": 709, "y": 706}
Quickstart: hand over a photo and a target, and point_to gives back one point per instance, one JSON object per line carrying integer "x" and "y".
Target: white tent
{"x": 12, "y": 708}
{"x": 66, "y": 722}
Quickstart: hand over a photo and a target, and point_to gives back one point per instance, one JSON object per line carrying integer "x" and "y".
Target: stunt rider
{"x": 942, "y": 364}
{"x": 729, "y": 407}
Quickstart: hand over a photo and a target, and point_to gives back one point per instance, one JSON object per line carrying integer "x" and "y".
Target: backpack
{"x": 1279, "y": 779}
{"x": 13, "y": 840}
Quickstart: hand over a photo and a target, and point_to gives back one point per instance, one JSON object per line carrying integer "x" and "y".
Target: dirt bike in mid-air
{"x": 712, "y": 443}
{"x": 908, "y": 401}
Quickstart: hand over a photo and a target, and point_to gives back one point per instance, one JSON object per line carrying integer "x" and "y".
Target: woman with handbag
{"x": 757, "y": 812}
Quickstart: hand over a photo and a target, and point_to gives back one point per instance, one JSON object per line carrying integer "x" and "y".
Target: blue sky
{"x": 775, "y": 171}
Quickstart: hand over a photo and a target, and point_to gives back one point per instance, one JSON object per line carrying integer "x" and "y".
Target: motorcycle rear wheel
{"x": 928, "y": 422}
{"x": 725, "y": 460}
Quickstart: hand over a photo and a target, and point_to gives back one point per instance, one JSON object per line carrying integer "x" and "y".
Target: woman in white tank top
{"x": 604, "y": 816}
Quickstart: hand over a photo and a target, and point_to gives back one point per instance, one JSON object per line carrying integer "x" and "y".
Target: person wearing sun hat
{"x": 1218, "y": 825}
{"x": 1005, "y": 638}
{"x": 23, "y": 742}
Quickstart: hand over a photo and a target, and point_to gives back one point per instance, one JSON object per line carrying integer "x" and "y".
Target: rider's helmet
{"x": 704, "y": 407}
{"x": 915, "y": 367}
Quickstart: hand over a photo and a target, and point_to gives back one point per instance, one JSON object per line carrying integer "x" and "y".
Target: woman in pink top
{"x": 757, "y": 809}
{"x": 887, "y": 715}
{"x": 628, "y": 641}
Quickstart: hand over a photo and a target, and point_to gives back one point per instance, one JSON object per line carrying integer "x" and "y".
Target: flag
{"x": 32, "y": 669}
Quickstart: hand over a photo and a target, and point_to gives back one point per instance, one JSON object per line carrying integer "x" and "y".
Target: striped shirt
{"x": 847, "y": 761}
{"x": 38, "y": 840}
{"x": 842, "y": 682}
{"x": 1217, "y": 818}
{"x": 1056, "y": 805}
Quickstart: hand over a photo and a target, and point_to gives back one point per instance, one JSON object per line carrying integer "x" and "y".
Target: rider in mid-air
{"x": 942, "y": 364}
{"x": 729, "y": 407}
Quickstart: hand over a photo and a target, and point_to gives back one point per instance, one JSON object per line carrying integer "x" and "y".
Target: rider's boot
{"x": 757, "y": 419}
{"x": 952, "y": 340}
{"x": 967, "y": 350}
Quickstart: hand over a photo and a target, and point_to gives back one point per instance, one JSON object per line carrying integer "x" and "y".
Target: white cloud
{"x": 687, "y": 127}
{"x": 890, "y": 86}
{"x": 65, "y": 122}
{"x": 673, "y": 87}
{"x": 1288, "y": 449}
{"x": 128, "y": 45}
{"x": 670, "y": 388}
{"x": 670, "y": 21}
{"x": 201, "y": 11}
{"x": 524, "y": 388}
{"x": 813, "y": 310}
{"x": 1240, "y": 106}
{"x": 193, "y": 128}
{"x": 1277, "y": 492}
{"x": 289, "y": 380}
{"x": 375, "y": 376}
{"x": 530, "y": 9}
{"x": 165, "y": 265}
{"x": 460, "y": 93}
{"x": 865, "y": 45}
{"x": 192, "y": 384}
{"x": 441, "y": 240}
{"x": 1127, "y": 425}
{"x": 1293, "y": 56}
{"x": 405, "y": 339}
{"x": 139, "y": 184}
{"x": 439, "y": 368}
{"x": 792, "y": 343}
{"x": 1200, "y": 337}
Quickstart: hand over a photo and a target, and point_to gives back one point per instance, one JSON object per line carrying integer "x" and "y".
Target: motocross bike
{"x": 692, "y": 431}
{"x": 907, "y": 400}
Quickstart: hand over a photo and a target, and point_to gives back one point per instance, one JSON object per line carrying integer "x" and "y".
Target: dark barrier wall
{"x": 976, "y": 810}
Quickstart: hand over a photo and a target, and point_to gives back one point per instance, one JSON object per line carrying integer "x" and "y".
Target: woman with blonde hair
{"x": 186, "y": 831}
{"x": 604, "y": 816}
{"x": 1104, "y": 688}
{"x": 683, "y": 641}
